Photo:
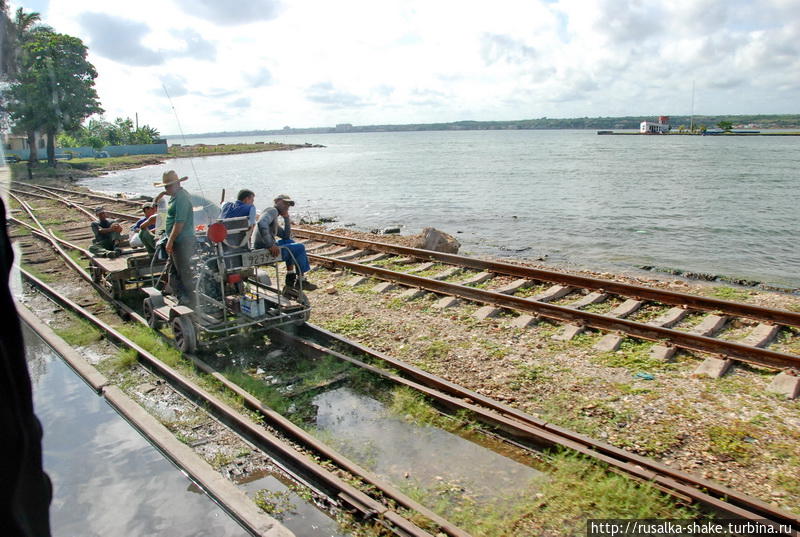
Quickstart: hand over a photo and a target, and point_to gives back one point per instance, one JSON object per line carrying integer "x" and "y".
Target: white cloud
{"x": 315, "y": 62}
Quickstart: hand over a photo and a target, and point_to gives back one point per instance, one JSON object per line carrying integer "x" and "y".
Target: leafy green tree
{"x": 6, "y": 41}
{"x": 725, "y": 125}
{"x": 100, "y": 132}
{"x": 54, "y": 90}
{"x": 16, "y": 33}
{"x": 146, "y": 135}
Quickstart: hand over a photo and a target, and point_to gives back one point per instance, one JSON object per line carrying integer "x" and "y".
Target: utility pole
{"x": 137, "y": 121}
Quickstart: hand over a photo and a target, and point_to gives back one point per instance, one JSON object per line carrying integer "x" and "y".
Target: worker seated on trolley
{"x": 107, "y": 235}
{"x": 243, "y": 206}
{"x": 268, "y": 230}
{"x": 145, "y": 228}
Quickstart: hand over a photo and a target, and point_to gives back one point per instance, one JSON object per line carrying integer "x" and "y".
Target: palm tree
{"x": 6, "y": 41}
{"x": 22, "y": 27}
{"x": 23, "y": 22}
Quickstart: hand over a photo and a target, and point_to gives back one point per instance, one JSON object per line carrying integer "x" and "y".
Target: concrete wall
{"x": 86, "y": 152}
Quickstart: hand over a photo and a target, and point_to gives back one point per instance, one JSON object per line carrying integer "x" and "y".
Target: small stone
{"x": 145, "y": 388}
{"x": 331, "y": 290}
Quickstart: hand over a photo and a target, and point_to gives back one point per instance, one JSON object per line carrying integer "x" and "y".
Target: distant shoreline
{"x": 770, "y": 121}
{"x": 83, "y": 168}
{"x": 717, "y": 134}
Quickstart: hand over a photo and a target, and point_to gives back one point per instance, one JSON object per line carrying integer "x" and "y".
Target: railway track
{"x": 279, "y": 447}
{"x": 678, "y": 321}
{"x": 525, "y": 428}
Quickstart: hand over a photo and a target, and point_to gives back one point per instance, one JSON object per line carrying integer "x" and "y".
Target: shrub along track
{"x": 531, "y": 430}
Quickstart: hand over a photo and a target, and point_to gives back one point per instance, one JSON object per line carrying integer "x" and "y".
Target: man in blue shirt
{"x": 243, "y": 206}
{"x": 145, "y": 227}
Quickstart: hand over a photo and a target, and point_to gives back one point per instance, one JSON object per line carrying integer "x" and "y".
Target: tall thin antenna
{"x": 691, "y": 121}
{"x": 183, "y": 139}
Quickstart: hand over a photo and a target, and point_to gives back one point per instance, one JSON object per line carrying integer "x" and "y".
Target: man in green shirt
{"x": 180, "y": 237}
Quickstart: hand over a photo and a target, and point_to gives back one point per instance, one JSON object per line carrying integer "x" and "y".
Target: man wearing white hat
{"x": 180, "y": 237}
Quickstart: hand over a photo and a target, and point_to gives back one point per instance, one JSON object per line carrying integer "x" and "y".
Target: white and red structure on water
{"x": 650, "y": 127}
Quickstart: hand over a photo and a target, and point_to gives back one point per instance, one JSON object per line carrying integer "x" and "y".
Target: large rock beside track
{"x": 438, "y": 241}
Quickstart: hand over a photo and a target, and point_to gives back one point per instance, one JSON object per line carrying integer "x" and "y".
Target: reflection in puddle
{"x": 410, "y": 454}
{"x": 107, "y": 479}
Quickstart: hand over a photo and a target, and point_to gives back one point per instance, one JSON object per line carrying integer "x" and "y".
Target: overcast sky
{"x": 264, "y": 64}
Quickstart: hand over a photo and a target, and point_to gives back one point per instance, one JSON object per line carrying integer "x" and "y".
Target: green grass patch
{"x": 46, "y": 277}
{"x": 409, "y": 403}
{"x": 436, "y": 350}
{"x": 732, "y": 441}
{"x": 275, "y": 503}
{"x": 527, "y": 292}
{"x": 634, "y": 356}
{"x": 647, "y": 313}
{"x": 396, "y": 304}
{"x": 259, "y": 389}
{"x": 629, "y": 389}
{"x": 528, "y": 375}
{"x": 558, "y": 503}
{"x": 349, "y": 325}
{"x": 77, "y": 256}
{"x": 579, "y": 488}
{"x": 123, "y": 360}
{"x": 494, "y": 349}
{"x": 728, "y": 293}
{"x": 20, "y": 231}
{"x": 79, "y": 333}
{"x": 150, "y": 341}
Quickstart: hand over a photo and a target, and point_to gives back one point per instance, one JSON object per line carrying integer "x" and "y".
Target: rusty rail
{"x": 693, "y": 342}
{"x": 526, "y": 427}
{"x": 529, "y": 428}
{"x": 737, "y": 309}
{"x": 335, "y": 487}
{"x": 100, "y": 197}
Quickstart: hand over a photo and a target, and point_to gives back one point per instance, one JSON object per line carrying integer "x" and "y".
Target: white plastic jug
{"x": 161, "y": 216}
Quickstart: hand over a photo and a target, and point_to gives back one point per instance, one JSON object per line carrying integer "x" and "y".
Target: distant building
{"x": 652, "y": 127}
{"x": 344, "y": 127}
{"x": 17, "y": 142}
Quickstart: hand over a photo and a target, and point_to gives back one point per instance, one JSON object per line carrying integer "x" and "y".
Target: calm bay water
{"x": 714, "y": 205}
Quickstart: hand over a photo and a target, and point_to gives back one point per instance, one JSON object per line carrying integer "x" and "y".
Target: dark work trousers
{"x": 181, "y": 273}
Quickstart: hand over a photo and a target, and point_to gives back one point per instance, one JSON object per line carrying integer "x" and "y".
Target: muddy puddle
{"x": 389, "y": 430}
{"x": 290, "y": 505}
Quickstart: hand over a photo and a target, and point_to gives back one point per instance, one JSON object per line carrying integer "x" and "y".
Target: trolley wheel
{"x": 185, "y": 334}
{"x": 153, "y": 321}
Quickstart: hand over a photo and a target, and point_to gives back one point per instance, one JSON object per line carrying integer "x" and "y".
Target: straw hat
{"x": 170, "y": 178}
